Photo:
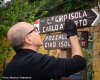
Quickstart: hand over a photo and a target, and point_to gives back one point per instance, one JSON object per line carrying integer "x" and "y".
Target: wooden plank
{"x": 82, "y": 18}
{"x": 60, "y": 40}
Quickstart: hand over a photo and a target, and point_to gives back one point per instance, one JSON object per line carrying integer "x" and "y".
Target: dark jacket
{"x": 28, "y": 64}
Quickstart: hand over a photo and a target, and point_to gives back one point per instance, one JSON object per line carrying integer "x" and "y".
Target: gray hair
{"x": 16, "y": 39}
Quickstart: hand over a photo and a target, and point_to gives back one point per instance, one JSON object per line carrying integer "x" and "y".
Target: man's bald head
{"x": 17, "y": 33}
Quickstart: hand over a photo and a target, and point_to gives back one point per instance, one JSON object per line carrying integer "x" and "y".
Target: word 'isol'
{"x": 74, "y": 15}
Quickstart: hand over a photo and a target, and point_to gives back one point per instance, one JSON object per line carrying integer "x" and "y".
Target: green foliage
{"x": 1, "y": 2}
{"x": 76, "y": 5}
{"x": 89, "y": 57}
{"x": 4, "y": 54}
{"x": 20, "y": 10}
{"x": 5, "y": 49}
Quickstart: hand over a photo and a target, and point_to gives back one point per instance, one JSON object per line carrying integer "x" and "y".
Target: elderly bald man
{"x": 27, "y": 63}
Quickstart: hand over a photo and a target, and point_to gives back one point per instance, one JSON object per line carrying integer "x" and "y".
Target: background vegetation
{"x": 30, "y": 10}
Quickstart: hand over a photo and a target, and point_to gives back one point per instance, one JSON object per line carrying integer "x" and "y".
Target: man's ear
{"x": 28, "y": 40}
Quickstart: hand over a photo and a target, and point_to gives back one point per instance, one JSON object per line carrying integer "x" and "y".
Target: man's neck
{"x": 32, "y": 48}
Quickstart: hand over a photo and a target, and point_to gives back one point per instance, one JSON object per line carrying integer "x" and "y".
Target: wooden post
{"x": 66, "y": 53}
{"x": 63, "y": 54}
